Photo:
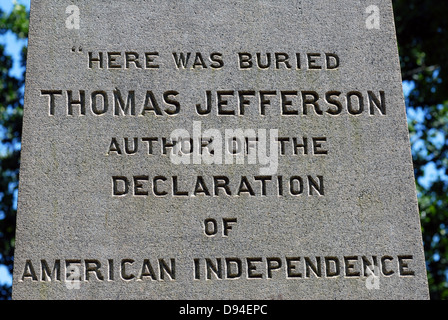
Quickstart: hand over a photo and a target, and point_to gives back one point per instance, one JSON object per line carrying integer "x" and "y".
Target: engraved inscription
{"x": 219, "y": 268}
{"x": 162, "y": 186}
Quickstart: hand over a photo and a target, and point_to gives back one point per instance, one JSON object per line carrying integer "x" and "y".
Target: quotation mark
{"x": 373, "y": 20}
{"x": 73, "y": 20}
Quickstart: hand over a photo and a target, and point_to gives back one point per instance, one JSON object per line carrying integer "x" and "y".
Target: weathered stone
{"x": 293, "y": 178}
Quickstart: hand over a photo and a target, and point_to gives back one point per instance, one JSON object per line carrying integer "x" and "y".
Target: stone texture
{"x": 352, "y": 199}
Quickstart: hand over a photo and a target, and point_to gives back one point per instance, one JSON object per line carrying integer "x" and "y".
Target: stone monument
{"x": 216, "y": 150}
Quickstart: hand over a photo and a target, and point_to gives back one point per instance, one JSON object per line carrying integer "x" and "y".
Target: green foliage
{"x": 16, "y": 22}
{"x": 422, "y": 31}
{"x": 423, "y": 38}
{"x": 11, "y": 110}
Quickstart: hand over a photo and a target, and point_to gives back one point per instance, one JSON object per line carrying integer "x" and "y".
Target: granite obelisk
{"x": 216, "y": 150}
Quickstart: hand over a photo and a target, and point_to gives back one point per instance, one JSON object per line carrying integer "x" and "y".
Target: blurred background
{"x": 423, "y": 46}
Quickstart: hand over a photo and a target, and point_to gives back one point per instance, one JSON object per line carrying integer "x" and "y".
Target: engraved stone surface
{"x": 216, "y": 150}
